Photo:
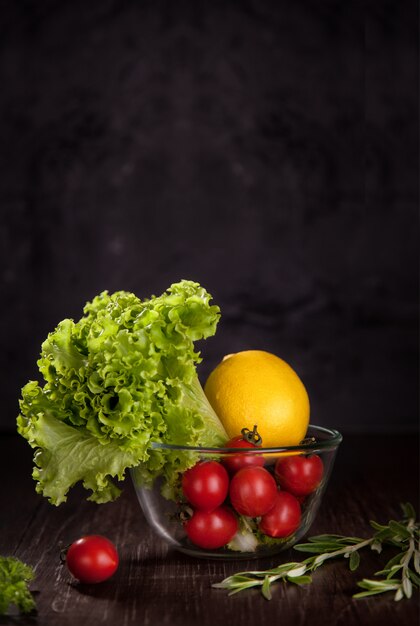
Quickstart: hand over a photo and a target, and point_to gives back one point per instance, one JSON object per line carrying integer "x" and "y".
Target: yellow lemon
{"x": 257, "y": 387}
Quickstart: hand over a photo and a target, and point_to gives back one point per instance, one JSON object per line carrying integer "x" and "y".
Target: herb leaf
{"x": 354, "y": 561}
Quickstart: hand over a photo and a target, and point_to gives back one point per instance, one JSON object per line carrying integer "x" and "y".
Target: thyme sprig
{"x": 401, "y": 574}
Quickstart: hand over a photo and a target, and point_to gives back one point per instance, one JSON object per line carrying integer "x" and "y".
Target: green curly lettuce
{"x": 122, "y": 377}
{"x": 15, "y": 577}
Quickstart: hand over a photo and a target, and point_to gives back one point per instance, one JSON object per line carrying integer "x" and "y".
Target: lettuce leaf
{"x": 15, "y": 577}
{"x": 122, "y": 377}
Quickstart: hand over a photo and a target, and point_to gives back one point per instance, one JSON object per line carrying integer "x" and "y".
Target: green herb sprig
{"x": 400, "y": 575}
{"x": 14, "y": 579}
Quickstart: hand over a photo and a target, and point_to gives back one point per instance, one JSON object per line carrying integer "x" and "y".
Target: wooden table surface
{"x": 157, "y": 586}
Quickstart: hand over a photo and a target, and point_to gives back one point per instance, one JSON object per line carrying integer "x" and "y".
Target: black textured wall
{"x": 267, "y": 150}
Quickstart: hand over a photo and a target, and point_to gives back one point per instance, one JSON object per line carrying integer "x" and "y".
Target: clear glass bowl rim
{"x": 331, "y": 443}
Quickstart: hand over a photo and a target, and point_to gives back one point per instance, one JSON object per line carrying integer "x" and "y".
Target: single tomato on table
{"x": 92, "y": 559}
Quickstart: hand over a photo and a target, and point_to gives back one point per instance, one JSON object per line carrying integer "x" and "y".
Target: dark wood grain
{"x": 156, "y": 586}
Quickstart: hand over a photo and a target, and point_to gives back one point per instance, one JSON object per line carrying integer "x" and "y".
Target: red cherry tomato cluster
{"x": 205, "y": 486}
{"x": 249, "y": 489}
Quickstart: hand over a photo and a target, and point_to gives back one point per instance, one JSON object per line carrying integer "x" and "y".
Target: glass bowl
{"x": 168, "y": 517}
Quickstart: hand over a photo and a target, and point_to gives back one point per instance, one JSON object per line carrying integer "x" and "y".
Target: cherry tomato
{"x": 92, "y": 559}
{"x": 212, "y": 529}
{"x": 300, "y": 475}
{"x": 206, "y": 485}
{"x": 235, "y": 462}
{"x": 284, "y": 518}
{"x": 252, "y": 491}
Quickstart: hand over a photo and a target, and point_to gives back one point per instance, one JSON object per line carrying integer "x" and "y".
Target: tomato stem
{"x": 252, "y": 436}
{"x": 63, "y": 553}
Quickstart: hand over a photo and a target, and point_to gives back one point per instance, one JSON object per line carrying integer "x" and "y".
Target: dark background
{"x": 267, "y": 150}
